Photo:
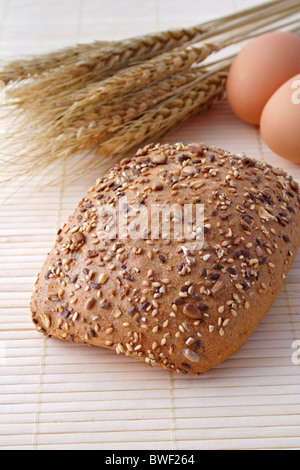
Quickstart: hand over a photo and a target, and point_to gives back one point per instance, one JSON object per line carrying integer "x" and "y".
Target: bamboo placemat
{"x": 56, "y": 395}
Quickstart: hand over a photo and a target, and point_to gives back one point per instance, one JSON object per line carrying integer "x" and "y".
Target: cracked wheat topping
{"x": 160, "y": 299}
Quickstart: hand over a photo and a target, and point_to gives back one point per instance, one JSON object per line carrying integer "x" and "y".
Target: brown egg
{"x": 259, "y": 70}
{"x": 280, "y": 121}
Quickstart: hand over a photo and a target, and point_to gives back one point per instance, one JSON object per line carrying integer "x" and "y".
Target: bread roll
{"x": 172, "y": 301}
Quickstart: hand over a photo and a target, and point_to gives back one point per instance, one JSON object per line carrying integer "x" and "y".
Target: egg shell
{"x": 280, "y": 120}
{"x": 262, "y": 66}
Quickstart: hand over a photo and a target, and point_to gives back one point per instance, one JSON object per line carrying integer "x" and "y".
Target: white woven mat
{"x": 56, "y": 395}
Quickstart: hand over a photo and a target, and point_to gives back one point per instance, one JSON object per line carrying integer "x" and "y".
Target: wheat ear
{"x": 56, "y": 88}
{"x": 100, "y": 120}
{"x": 122, "y": 53}
{"x": 166, "y": 115}
{"x": 154, "y": 123}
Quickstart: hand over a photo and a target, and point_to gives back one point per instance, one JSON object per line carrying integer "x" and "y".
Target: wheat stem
{"x": 90, "y": 66}
{"x": 107, "y": 98}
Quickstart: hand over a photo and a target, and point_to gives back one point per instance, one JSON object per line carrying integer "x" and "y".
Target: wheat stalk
{"x": 22, "y": 68}
{"x": 107, "y": 98}
{"x": 103, "y": 119}
{"x": 91, "y": 64}
{"x": 197, "y": 86}
{"x": 91, "y": 103}
{"x": 185, "y": 95}
{"x": 57, "y": 90}
{"x": 165, "y": 116}
{"x": 191, "y": 101}
{"x": 121, "y": 53}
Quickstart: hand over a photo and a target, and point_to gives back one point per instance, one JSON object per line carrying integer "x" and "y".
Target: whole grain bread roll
{"x": 172, "y": 301}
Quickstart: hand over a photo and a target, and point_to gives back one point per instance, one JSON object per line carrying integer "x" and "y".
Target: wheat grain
{"x": 166, "y": 115}
{"x": 25, "y": 68}
{"x": 122, "y": 53}
{"x": 88, "y": 64}
{"x": 107, "y": 98}
{"x": 66, "y": 71}
{"x": 103, "y": 119}
{"x": 188, "y": 99}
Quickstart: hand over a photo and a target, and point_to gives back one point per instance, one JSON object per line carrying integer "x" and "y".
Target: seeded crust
{"x": 156, "y": 300}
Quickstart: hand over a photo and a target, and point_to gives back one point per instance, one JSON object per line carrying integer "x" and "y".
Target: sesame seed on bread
{"x": 162, "y": 299}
